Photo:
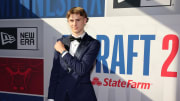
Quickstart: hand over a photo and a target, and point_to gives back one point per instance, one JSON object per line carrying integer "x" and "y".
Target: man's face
{"x": 77, "y": 23}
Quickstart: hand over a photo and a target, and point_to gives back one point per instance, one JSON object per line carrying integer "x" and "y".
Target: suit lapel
{"x": 82, "y": 47}
{"x": 66, "y": 42}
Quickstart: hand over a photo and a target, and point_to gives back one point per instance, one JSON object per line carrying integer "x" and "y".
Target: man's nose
{"x": 75, "y": 23}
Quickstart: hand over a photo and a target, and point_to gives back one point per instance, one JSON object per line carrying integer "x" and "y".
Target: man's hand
{"x": 59, "y": 46}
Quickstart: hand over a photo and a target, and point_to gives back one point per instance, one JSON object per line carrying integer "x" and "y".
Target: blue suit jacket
{"x": 75, "y": 83}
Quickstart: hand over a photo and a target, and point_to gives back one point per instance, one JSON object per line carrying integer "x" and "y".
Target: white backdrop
{"x": 135, "y": 86}
{"x": 121, "y": 32}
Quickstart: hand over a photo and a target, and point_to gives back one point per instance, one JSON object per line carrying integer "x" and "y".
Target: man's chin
{"x": 75, "y": 31}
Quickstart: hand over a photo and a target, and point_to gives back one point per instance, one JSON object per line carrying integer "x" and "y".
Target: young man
{"x": 73, "y": 61}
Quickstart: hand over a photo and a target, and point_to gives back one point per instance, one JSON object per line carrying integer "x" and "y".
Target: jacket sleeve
{"x": 54, "y": 76}
{"x": 84, "y": 65}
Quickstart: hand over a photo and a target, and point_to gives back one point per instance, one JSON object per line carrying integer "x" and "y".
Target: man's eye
{"x": 71, "y": 20}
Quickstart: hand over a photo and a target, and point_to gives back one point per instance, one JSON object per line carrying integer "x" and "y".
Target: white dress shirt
{"x": 73, "y": 46}
{"x": 72, "y": 50}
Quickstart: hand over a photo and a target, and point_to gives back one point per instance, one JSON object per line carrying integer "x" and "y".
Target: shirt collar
{"x": 82, "y": 35}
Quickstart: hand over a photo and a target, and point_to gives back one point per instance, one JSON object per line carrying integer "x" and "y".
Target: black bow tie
{"x": 73, "y": 38}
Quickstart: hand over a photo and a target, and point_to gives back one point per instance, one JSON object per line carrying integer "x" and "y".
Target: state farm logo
{"x": 108, "y": 82}
{"x": 96, "y": 81}
{"x": 6, "y": 38}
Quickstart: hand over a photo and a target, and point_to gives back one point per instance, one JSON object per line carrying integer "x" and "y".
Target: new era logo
{"x": 96, "y": 81}
{"x": 19, "y": 38}
{"x": 6, "y": 38}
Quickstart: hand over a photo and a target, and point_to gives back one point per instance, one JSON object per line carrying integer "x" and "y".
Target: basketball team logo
{"x": 21, "y": 75}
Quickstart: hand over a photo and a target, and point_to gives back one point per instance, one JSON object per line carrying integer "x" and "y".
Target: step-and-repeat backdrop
{"x": 138, "y": 58}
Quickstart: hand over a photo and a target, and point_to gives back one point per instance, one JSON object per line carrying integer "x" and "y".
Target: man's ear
{"x": 85, "y": 20}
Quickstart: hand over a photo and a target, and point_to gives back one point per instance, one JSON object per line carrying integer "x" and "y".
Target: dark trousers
{"x": 67, "y": 97}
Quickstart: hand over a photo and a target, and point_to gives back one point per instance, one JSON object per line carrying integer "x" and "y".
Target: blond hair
{"x": 77, "y": 10}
